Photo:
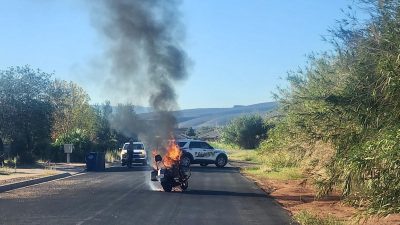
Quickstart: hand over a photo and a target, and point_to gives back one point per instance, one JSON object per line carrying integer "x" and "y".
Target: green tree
{"x": 25, "y": 110}
{"x": 126, "y": 121}
{"x": 106, "y": 137}
{"x": 74, "y": 119}
{"x": 191, "y": 132}
{"x": 246, "y": 131}
{"x": 72, "y": 110}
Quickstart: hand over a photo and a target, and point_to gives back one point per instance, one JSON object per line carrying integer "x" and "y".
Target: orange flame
{"x": 173, "y": 155}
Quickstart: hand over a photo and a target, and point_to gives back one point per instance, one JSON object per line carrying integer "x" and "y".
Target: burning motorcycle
{"x": 171, "y": 173}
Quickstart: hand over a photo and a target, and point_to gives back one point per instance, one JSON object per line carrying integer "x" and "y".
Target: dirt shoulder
{"x": 11, "y": 175}
{"x": 299, "y": 195}
{"x": 19, "y": 175}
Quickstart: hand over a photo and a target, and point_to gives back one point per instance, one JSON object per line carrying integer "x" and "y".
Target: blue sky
{"x": 240, "y": 49}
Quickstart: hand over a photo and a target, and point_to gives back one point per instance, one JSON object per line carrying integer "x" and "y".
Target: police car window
{"x": 205, "y": 145}
{"x": 125, "y": 146}
{"x": 195, "y": 144}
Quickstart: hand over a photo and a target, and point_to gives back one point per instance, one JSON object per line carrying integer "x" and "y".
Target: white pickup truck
{"x": 139, "y": 153}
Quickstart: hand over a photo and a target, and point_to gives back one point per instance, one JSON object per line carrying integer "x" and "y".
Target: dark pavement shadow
{"x": 71, "y": 169}
{"x": 30, "y": 166}
{"x": 126, "y": 169}
{"x": 223, "y": 193}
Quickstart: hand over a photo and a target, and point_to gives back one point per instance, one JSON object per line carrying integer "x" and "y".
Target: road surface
{"x": 122, "y": 196}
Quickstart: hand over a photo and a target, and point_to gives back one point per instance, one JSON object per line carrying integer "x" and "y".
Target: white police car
{"x": 200, "y": 152}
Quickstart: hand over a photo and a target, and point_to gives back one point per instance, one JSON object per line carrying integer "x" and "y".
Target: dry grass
{"x": 6, "y": 170}
{"x": 307, "y": 218}
{"x": 287, "y": 173}
{"x": 275, "y": 165}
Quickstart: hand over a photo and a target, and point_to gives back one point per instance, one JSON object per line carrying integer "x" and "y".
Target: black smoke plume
{"x": 144, "y": 53}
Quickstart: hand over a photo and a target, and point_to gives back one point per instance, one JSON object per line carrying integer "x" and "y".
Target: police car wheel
{"x": 221, "y": 161}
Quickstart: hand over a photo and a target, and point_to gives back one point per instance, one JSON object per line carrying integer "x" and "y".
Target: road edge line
{"x": 37, "y": 181}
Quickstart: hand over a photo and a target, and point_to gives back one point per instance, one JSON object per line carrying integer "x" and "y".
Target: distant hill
{"x": 142, "y": 109}
{"x": 212, "y": 117}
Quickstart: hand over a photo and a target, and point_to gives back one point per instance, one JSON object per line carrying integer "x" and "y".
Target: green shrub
{"x": 369, "y": 173}
{"x": 81, "y": 141}
{"x": 246, "y": 131}
{"x": 112, "y": 155}
{"x": 307, "y": 218}
{"x": 349, "y": 99}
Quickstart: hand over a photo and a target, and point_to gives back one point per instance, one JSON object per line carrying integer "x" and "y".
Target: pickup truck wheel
{"x": 203, "y": 164}
{"x": 221, "y": 161}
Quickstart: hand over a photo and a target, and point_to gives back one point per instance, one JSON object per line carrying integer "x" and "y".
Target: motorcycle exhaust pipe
{"x": 154, "y": 173}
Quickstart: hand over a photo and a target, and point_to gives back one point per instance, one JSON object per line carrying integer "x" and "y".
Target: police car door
{"x": 196, "y": 150}
{"x": 208, "y": 151}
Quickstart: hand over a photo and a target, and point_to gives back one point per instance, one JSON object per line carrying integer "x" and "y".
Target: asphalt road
{"x": 121, "y": 196}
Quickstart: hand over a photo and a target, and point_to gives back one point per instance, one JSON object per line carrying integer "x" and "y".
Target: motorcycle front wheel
{"x": 184, "y": 185}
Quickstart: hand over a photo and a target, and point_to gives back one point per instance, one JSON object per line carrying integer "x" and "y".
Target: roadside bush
{"x": 349, "y": 100}
{"x": 81, "y": 141}
{"x": 278, "y": 160}
{"x": 246, "y": 131}
{"x": 112, "y": 155}
{"x": 369, "y": 173}
{"x": 307, "y": 218}
{"x": 191, "y": 132}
